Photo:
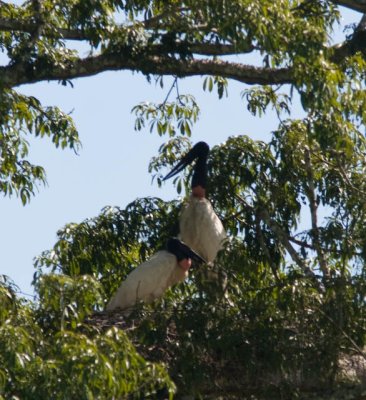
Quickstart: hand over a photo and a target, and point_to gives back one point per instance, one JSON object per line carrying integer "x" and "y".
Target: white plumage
{"x": 201, "y": 229}
{"x": 148, "y": 281}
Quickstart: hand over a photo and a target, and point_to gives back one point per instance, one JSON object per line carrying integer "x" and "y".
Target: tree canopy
{"x": 287, "y": 307}
{"x": 291, "y": 40}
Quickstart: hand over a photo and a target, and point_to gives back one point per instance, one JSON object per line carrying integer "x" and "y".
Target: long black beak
{"x": 182, "y": 251}
{"x": 200, "y": 149}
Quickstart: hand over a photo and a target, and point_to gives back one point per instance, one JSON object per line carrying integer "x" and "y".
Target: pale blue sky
{"x": 111, "y": 168}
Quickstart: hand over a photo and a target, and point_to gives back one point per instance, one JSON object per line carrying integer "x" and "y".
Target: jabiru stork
{"x": 200, "y": 227}
{"x": 152, "y": 278}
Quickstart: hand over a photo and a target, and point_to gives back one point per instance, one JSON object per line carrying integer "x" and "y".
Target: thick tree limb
{"x": 22, "y": 73}
{"x": 356, "y": 5}
{"x": 205, "y": 49}
{"x": 356, "y": 43}
{"x": 159, "y": 59}
{"x": 209, "y": 49}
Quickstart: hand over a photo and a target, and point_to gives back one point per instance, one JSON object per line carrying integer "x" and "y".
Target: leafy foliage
{"x": 48, "y": 351}
{"x": 244, "y": 327}
{"x": 162, "y": 116}
{"x": 21, "y": 116}
{"x": 284, "y": 302}
{"x": 108, "y": 246}
{"x": 35, "y": 38}
{"x": 281, "y": 306}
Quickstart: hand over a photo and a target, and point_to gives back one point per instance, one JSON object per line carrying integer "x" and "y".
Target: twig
{"x": 170, "y": 90}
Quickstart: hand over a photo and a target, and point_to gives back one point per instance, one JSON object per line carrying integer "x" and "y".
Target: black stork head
{"x": 182, "y": 251}
{"x": 198, "y": 152}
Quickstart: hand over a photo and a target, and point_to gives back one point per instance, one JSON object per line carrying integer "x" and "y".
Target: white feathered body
{"x": 201, "y": 229}
{"x": 148, "y": 281}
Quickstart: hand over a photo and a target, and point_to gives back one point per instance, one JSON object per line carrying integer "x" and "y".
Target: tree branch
{"x": 265, "y": 249}
{"x": 209, "y": 49}
{"x": 22, "y": 73}
{"x": 11, "y": 25}
{"x": 154, "y": 22}
{"x": 314, "y": 214}
{"x": 357, "y": 42}
{"x": 356, "y": 5}
{"x": 300, "y": 243}
{"x": 283, "y": 237}
{"x": 159, "y": 55}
